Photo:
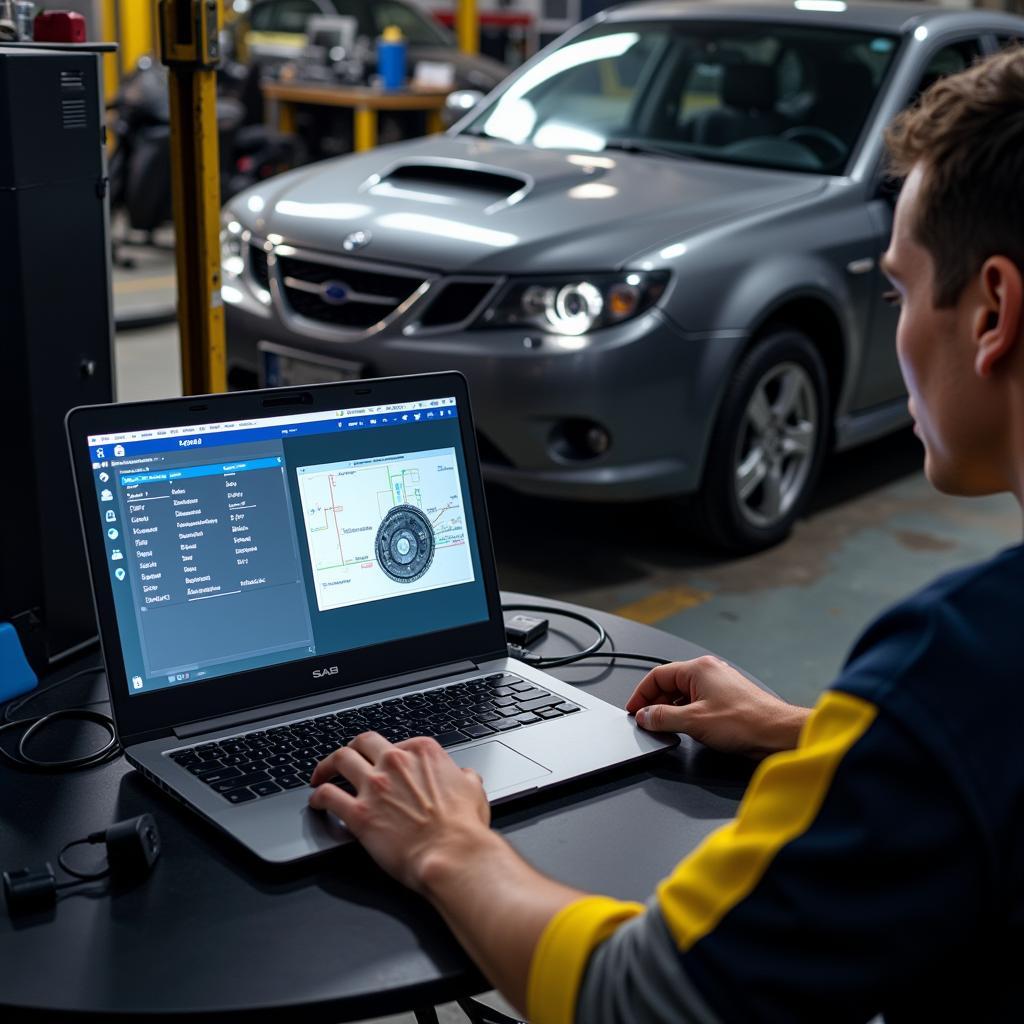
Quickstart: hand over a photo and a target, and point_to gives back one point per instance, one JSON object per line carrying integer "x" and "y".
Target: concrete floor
{"x": 876, "y": 532}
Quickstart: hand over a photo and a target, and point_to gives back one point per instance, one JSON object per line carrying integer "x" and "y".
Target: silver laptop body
{"x": 233, "y": 620}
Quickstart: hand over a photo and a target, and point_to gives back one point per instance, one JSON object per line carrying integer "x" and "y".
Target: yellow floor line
{"x": 144, "y": 284}
{"x": 663, "y": 603}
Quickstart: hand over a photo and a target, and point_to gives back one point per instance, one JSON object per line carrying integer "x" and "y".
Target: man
{"x": 876, "y": 863}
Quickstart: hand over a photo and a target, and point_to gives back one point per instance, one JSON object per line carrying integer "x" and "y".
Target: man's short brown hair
{"x": 967, "y": 131}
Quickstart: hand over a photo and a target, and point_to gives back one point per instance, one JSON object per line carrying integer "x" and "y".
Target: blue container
{"x": 16, "y": 677}
{"x": 391, "y": 59}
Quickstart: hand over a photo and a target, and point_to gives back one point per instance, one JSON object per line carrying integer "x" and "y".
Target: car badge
{"x": 356, "y": 240}
{"x": 334, "y": 293}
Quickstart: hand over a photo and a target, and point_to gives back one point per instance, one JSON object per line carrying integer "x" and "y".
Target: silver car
{"x": 653, "y": 251}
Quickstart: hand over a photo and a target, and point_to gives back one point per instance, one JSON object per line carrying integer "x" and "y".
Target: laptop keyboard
{"x": 259, "y": 764}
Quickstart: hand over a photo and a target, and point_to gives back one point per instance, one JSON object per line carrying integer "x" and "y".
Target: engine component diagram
{"x": 385, "y": 527}
{"x": 405, "y": 544}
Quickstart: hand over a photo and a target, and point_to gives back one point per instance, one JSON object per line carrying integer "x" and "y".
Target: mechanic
{"x": 877, "y": 859}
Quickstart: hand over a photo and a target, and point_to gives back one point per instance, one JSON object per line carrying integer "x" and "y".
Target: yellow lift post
{"x": 190, "y": 48}
{"x": 467, "y": 26}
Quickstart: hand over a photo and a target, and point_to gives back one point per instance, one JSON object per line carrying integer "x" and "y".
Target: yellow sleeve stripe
{"x": 561, "y": 956}
{"x": 781, "y": 802}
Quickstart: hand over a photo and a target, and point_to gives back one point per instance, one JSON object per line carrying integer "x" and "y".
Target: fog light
{"x": 598, "y": 440}
{"x": 577, "y": 440}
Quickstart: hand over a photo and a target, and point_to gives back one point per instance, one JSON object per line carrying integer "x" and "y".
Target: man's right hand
{"x": 716, "y": 705}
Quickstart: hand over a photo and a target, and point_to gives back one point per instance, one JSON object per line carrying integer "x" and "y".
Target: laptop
{"x": 277, "y": 571}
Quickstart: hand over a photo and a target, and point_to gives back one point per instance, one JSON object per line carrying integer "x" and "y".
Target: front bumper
{"x": 654, "y": 388}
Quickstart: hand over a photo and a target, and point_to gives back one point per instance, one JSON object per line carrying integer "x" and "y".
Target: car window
{"x": 284, "y": 16}
{"x": 581, "y": 96}
{"x": 1005, "y": 41}
{"x": 771, "y": 95}
{"x": 418, "y": 27}
{"x": 948, "y": 61}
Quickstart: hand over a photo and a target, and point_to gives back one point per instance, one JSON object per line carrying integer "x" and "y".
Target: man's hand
{"x": 413, "y": 802}
{"x": 716, "y": 705}
{"x": 425, "y": 820}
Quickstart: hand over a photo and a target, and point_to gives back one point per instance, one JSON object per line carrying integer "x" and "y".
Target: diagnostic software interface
{"x": 237, "y": 545}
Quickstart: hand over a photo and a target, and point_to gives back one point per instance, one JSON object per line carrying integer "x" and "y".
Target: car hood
{"x": 458, "y": 204}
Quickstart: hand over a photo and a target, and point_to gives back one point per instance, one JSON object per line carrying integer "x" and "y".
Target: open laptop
{"x": 277, "y": 571}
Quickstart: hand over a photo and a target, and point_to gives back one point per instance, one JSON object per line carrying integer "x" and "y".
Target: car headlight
{"x": 232, "y": 262}
{"x": 575, "y": 305}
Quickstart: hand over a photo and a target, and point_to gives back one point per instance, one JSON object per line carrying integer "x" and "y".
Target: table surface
{"x": 215, "y": 933}
{"x": 356, "y": 96}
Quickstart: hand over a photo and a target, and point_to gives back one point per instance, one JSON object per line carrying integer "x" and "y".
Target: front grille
{"x": 455, "y": 302}
{"x": 258, "y": 266}
{"x": 362, "y": 297}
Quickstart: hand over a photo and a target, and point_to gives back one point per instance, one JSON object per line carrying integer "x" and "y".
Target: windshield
{"x": 769, "y": 95}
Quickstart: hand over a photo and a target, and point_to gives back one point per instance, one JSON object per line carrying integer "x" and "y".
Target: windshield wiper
{"x": 639, "y": 146}
{"x": 653, "y": 149}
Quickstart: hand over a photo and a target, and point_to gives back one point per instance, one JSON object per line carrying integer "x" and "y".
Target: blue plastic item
{"x": 16, "y": 676}
{"x": 391, "y": 59}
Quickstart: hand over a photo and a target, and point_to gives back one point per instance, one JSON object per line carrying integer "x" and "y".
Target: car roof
{"x": 872, "y": 17}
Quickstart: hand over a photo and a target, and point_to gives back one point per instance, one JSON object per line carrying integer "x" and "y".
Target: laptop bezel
{"x": 146, "y": 716}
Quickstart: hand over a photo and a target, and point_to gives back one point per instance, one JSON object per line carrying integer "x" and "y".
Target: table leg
{"x": 435, "y": 123}
{"x": 427, "y": 1016}
{"x": 365, "y": 129}
{"x": 285, "y": 117}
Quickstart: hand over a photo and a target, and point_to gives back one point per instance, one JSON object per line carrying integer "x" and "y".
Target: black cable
{"x": 14, "y": 706}
{"x": 33, "y": 726}
{"x": 82, "y": 876}
{"x": 538, "y": 662}
{"x": 612, "y": 655}
{"x": 591, "y": 653}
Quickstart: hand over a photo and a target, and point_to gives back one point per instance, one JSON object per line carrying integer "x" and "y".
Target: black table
{"x": 214, "y": 933}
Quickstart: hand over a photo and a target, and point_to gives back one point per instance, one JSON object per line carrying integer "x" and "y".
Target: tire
{"x": 768, "y": 445}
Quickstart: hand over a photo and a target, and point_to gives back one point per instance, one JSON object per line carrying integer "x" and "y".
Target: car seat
{"x": 749, "y": 93}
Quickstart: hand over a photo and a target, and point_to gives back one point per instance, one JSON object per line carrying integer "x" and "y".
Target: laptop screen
{"x": 237, "y": 545}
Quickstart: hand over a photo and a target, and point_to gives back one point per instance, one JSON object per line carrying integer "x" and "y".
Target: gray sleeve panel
{"x": 636, "y": 976}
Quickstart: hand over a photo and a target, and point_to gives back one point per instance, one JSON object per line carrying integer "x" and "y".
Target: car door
{"x": 881, "y": 380}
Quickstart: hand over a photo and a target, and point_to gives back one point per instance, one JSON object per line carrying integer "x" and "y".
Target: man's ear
{"x": 998, "y": 318}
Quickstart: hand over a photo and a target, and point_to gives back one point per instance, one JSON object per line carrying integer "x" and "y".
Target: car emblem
{"x": 356, "y": 240}
{"x": 334, "y": 293}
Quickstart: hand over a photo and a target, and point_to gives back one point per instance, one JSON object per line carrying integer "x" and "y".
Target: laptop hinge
{"x": 190, "y": 729}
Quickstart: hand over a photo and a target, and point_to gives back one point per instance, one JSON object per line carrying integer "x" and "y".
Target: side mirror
{"x": 460, "y": 103}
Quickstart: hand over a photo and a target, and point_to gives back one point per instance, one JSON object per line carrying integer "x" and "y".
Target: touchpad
{"x": 499, "y": 766}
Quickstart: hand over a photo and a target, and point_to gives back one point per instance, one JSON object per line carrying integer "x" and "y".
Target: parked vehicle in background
{"x": 275, "y": 30}
{"x": 653, "y": 251}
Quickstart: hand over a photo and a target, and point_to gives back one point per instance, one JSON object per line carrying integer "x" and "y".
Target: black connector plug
{"x": 133, "y": 846}
{"x": 29, "y": 889}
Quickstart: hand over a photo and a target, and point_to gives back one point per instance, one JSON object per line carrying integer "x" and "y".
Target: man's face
{"x": 957, "y": 414}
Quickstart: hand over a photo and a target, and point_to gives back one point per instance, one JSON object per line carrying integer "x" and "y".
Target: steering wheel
{"x": 835, "y": 149}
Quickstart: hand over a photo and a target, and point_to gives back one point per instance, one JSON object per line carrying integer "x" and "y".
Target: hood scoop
{"x": 490, "y": 185}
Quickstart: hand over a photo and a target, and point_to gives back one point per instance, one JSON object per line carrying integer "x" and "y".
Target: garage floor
{"x": 877, "y": 531}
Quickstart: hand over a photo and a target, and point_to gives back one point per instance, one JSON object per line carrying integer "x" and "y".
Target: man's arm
{"x": 426, "y": 821}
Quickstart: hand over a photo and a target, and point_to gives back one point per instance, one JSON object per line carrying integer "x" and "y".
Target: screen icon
{"x": 116, "y": 555}
{"x": 112, "y": 533}
{"x": 120, "y": 573}
{"x": 111, "y": 516}
{"x": 100, "y": 453}
{"x": 104, "y": 477}
{"x": 137, "y": 682}
{"x": 105, "y": 495}
{"x": 118, "y": 451}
